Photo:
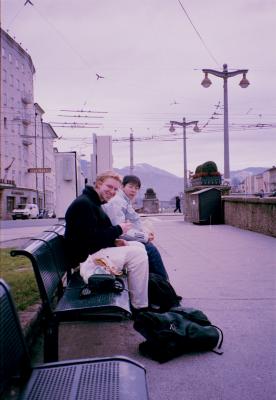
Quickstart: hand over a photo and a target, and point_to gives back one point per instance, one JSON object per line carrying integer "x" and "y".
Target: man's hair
{"x": 108, "y": 174}
{"x": 131, "y": 179}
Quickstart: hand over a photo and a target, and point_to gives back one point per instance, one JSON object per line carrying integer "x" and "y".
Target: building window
{"x": 19, "y": 178}
{"x": 4, "y": 75}
{"x": 3, "y": 52}
{"x": 17, "y": 64}
{"x": 10, "y": 58}
{"x": 5, "y": 99}
{"x": 10, "y": 203}
{"x": 23, "y": 200}
{"x": 5, "y": 122}
{"x": 12, "y": 102}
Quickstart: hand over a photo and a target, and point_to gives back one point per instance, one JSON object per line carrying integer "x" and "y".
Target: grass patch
{"x": 19, "y": 275}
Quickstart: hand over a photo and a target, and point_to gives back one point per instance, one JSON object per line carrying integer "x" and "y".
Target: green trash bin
{"x": 206, "y": 207}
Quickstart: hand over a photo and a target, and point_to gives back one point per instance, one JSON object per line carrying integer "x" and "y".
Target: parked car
{"x": 25, "y": 211}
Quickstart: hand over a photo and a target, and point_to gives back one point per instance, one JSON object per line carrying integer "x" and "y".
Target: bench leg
{"x": 51, "y": 341}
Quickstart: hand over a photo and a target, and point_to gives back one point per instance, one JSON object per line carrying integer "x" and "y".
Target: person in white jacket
{"x": 120, "y": 209}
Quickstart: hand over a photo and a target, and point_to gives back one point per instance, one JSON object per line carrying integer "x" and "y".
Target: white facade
{"x": 101, "y": 159}
{"x": 69, "y": 181}
{"x": 265, "y": 181}
{"x": 26, "y": 142}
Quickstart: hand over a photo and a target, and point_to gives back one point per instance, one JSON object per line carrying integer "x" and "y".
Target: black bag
{"x": 176, "y": 332}
{"x": 162, "y": 296}
{"x": 105, "y": 283}
{"x": 102, "y": 283}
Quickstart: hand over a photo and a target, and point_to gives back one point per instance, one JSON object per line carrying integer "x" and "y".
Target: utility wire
{"x": 15, "y": 16}
{"x": 198, "y": 34}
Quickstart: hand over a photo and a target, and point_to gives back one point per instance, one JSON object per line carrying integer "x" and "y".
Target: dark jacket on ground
{"x": 88, "y": 228}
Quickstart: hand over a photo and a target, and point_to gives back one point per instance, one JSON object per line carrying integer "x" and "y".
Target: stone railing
{"x": 254, "y": 214}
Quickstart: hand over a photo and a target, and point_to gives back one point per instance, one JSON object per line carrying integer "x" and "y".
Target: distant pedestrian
{"x": 177, "y": 204}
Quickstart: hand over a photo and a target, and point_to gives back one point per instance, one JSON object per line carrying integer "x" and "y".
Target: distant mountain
{"x": 165, "y": 184}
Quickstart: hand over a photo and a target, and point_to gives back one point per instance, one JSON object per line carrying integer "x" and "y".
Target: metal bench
{"x": 60, "y": 290}
{"x": 113, "y": 378}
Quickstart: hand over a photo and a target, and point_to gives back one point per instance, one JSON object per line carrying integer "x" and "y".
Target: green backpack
{"x": 179, "y": 331}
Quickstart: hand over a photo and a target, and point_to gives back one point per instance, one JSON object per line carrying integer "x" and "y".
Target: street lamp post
{"x": 43, "y": 164}
{"x": 131, "y": 140}
{"x": 36, "y": 177}
{"x": 196, "y": 129}
{"x": 225, "y": 74}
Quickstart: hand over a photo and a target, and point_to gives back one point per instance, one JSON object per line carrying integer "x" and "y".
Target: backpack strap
{"x": 217, "y": 349}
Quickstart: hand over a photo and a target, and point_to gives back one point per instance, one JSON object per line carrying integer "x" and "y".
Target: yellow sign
{"x": 39, "y": 170}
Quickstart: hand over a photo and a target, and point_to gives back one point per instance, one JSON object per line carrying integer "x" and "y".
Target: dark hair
{"x": 131, "y": 179}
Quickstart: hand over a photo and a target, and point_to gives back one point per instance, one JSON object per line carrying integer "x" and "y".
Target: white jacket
{"x": 119, "y": 209}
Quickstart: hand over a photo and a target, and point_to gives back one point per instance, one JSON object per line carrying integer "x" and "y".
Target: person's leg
{"x": 135, "y": 260}
{"x": 156, "y": 264}
{"x": 138, "y": 275}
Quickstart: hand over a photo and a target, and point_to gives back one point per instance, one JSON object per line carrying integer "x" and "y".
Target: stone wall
{"x": 254, "y": 214}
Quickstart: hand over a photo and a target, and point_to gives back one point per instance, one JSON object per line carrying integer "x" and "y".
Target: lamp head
{"x": 206, "y": 81}
{"x": 244, "y": 83}
{"x": 172, "y": 128}
{"x": 196, "y": 128}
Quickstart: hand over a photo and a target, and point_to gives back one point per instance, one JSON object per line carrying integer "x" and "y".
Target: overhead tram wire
{"x": 198, "y": 34}
{"x": 86, "y": 111}
{"x": 52, "y": 26}
{"x": 14, "y": 18}
{"x": 79, "y": 116}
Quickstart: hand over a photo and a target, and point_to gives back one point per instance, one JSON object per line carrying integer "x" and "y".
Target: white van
{"x": 25, "y": 211}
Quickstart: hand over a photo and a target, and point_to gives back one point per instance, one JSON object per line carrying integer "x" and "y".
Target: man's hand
{"x": 151, "y": 236}
{"x": 120, "y": 242}
{"x": 125, "y": 226}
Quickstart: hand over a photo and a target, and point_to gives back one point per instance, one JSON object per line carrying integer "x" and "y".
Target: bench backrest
{"x": 14, "y": 357}
{"x": 56, "y": 245}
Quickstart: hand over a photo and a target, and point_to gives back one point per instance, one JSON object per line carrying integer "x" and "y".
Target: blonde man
{"x": 89, "y": 233}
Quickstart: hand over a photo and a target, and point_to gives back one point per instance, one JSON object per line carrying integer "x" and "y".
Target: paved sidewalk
{"x": 230, "y": 274}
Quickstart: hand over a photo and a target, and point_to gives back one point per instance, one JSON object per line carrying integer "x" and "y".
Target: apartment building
{"x": 27, "y": 168}
{"x": 265, "y": 181}
{"x": 101, "y": 159}
{"x": 270, "y": 179}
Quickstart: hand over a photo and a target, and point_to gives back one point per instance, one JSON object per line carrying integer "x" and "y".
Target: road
{"x": 15, "y": 233}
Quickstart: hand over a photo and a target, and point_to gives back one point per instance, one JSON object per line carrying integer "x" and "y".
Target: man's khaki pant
{"x": 134, "y": 259}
